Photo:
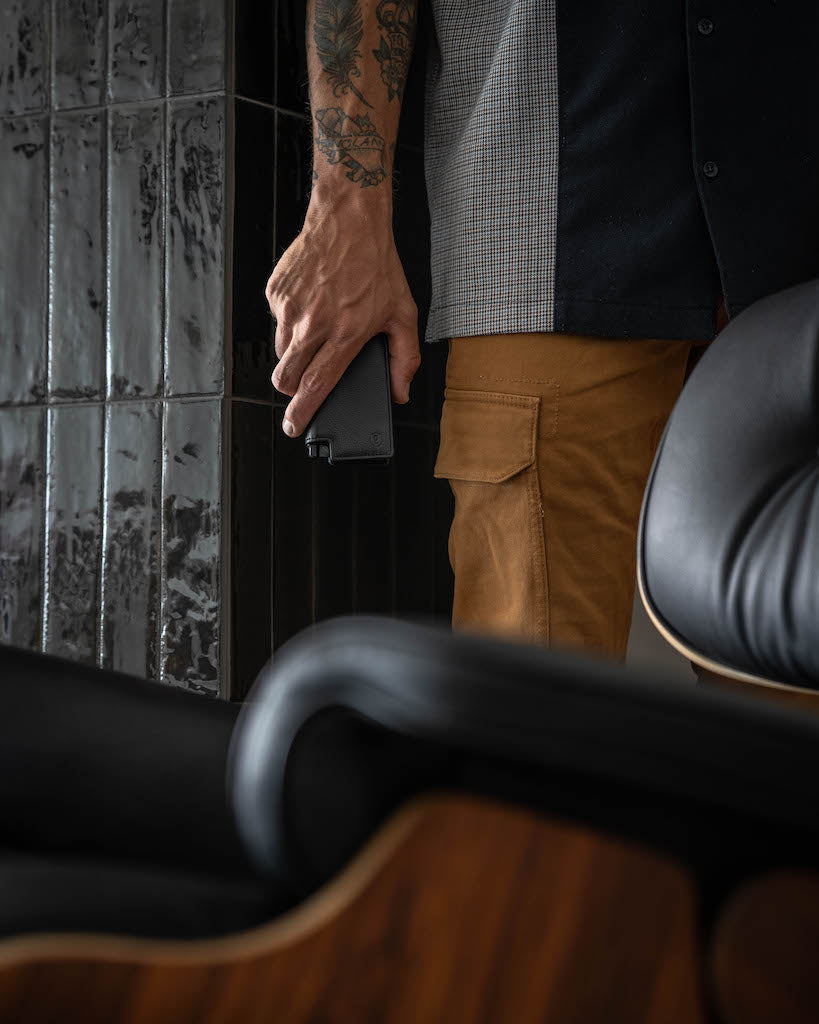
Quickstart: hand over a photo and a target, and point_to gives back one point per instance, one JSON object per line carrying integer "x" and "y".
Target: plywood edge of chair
{"x": 300, "y": 921}
{"x": 442, "y": 916}
{"x": 764, "y": 950}
{"x": 708, "y": 663}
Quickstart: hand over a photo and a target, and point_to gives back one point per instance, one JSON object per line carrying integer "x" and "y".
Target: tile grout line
{"x": 227, "y": 660}
{"x": 106, "y": 388}
{"x": 47, "y": 414}
{"x": 163, "y": 342}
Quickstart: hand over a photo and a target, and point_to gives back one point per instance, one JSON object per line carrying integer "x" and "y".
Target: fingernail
{"x": 288, "y": 427}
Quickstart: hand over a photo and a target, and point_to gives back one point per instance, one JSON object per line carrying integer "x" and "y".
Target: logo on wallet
{"x": 375, "y": 439}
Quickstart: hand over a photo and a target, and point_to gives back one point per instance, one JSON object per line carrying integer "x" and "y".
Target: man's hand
{"x": 338, "y": 284}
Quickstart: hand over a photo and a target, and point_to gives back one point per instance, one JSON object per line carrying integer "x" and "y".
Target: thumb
{"x": 405, "y": 358}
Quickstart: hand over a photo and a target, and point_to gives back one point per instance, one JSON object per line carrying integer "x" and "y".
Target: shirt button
{"x": 705, "y": 26}
{"x": 710, "y": 169}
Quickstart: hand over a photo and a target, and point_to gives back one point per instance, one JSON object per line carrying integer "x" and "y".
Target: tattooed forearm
{"x": 354, "y": 142}
{"x": 337, "y": 33}
{"x": 351, "y": 45}
{"x": 397, "y": 18}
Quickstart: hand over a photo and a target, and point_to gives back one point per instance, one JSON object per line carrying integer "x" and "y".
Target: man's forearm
{"x": 358, "y": 54}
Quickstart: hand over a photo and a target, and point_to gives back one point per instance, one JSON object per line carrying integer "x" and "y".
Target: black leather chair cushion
{"x": 59, "y": 893}
{"x": 103, "y": 764}
{"x": 728, "y": 541}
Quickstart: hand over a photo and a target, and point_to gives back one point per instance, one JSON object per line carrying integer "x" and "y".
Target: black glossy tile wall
{"x": 23, "y": 258}
{"x": 251, "y": 541}
{"x": 113, "y": 158}
{"x": 191, "y": 553}
{"x": 136, "y": 49}
{"x": 131, "y": 538}
{"x": 23, "y": 48}
{"x": 77, "y": 258}
{"x": 136, "y": 186}
{"x": 291, "y": 84}
{"x": 21, "y": 524}
{"x": 197, "y": 39}
{"x": 73, "y": 524}
{"x": 255, "y": 59}
{"x": 78, "y": 53}
{"x": 253, "y": 248}
{"x": 195, "y": 289}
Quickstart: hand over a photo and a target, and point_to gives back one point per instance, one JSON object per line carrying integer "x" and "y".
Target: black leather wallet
{"x": 354, "y": 422}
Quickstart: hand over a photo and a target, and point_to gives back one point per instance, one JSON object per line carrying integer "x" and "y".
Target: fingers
{"x": 298, "y": 354}
{"x": 405, "y": 358}
{"x": 317, "y": 381}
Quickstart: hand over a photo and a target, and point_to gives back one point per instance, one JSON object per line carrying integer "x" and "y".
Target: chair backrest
{"x": 728, "y": 541}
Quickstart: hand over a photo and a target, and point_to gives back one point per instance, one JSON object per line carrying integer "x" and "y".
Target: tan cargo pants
{"x": 547, "y": 441}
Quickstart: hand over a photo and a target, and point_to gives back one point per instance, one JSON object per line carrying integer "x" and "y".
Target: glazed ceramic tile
{"x": 255, "y": 50}
{"x": 191, "y": 545}
{"x": 73, "y": 530}
{"x": 21, "y": 524}
{"x": 196, "y": 45}
{"x": 77, "y": 258}
{"x": 250, "y": 540}
{"x": 253, "y": 234}
{"x": 23, "y": 56}
{"x": 135, "y": 49}
{"x": 194, "y": 344}
{"x": 130, "y": 586}
{"x": 78, "y": 53}
{"x": 135, "y": 280}
{"x": 23, "y": 260}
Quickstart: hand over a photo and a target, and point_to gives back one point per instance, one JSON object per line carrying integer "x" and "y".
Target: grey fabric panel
{"x": 491, "y": 161}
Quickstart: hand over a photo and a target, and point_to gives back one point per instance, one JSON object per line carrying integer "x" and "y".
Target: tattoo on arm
{"x": 398, "y": 19}
{"x": 337, "y": 33}
{"x": 354, "y": 142}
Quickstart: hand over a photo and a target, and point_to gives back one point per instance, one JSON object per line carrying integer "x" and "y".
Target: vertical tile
{"x": 414, "y": 566}
{"x": 253, "y": 234}
{"x": 135, "y": 49}
{"x": 22, "y": 56}
{"x": 74, "y": 479}
{"x": 196, "y": 45}
{"x": 135, "y": 284}
{"x": 194, "y": 344}
{"x": 21, "y": 524}
{"x": 23, "y": 260}
{"x": 191, "y": 545}
{"x": 251, "y": 542}
{"x": 292, "y": 534}
{"x": 334, "y": 539}
{"x": 130, "y": 586}
{"x": 294, "y": 164}
{"x": 77, "y": 259}
{"x": 291, "y": 57}
{"x": 374, "y": 539}
{"x": 78, "y": 52}
{"x": 254, "y": 50}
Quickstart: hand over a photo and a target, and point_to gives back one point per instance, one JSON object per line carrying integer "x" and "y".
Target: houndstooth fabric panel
{"x": 491, "y": 161}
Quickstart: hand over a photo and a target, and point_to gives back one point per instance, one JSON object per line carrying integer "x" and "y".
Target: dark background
{"x": 155, "y": 160}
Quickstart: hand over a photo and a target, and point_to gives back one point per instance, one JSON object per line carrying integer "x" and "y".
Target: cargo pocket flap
{"x": 486, "y": 435}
